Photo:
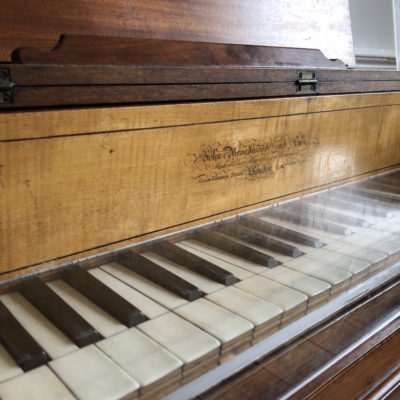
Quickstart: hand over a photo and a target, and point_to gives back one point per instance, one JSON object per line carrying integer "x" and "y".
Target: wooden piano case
{"x": 76, "y": 182}
{"x": 129, "y": 153}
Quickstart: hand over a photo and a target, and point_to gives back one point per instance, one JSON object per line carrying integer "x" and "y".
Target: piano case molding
{"x": 87, "y": 70}
{"x": 75, "y": 183}
{"x": 106, "y": 50}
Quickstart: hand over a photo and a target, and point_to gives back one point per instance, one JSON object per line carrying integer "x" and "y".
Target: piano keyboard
{"x": 147, "y": 322}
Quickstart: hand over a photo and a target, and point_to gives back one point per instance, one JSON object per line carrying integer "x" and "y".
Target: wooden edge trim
{"x": 112, "y": 50}
{"x": 46, "y": 124}
{"x": 346, "y": 361}
{"x": 387, "y": 385}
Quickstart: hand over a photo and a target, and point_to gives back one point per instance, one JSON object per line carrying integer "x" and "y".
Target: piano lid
{"x": 93, "y": 70}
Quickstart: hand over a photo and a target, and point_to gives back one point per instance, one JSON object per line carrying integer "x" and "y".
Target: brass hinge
{"x": 6, "y": 87}
{"x": 306, "y": 82}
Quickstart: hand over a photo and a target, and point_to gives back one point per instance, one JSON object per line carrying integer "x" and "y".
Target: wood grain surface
{"x": 64, "y": 195}
{"x": 88, "y": 95}
{"x": 369, "y": 371}
{"x": 53, "y": 123}
{"x": 111, "y": 50}
{"x": 352, "y": 383}
{"x": 39, "y": 23}
{"x": 47, "y": 75}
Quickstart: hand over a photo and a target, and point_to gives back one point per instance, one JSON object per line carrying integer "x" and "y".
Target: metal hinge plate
{"x": 6, "y": 87}
{"x": 306, "y": 82}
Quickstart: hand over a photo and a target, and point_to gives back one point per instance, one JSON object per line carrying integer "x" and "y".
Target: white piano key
{"x": 205, "y": 284}
{"x": 251, "y": 308}
{"x": 219, "y": 322}
{"x": 392, "y": 225}
{"x": 103, "y": 322}
{"x": 350, "y": 264}
{"x": 363, "y": 253}
{"x": 186, "y": 341}
{"x": 91, "y": 375}
{"x": 149, "y": 307}
{"x": 143, "y": 285}
{"x": 376, "y": 239}
{"x": 140, "y": 356}
{"x": 52, "y": 340}
{"x": 38, "y": 384}
{"x": 239, "y": 272}
{"x": 227, "y": 257}
{"x": 372, "y": 219}
{"x": 297, "y": 280}
{"x": 273, "y": 292}
{"x": 8, "y": 367}
{"x": 317, "y": 269}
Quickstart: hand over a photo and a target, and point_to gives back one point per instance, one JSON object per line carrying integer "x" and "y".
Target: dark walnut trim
{"x": 92, "y": 70}
{"x": 103, "y": 50}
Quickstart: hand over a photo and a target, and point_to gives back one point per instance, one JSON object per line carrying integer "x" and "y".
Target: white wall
{"x": 372, "y": 27}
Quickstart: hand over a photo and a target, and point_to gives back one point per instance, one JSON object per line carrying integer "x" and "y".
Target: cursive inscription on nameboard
{"x": 249, "y": 159}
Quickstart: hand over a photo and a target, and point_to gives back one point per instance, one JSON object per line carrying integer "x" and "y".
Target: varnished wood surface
{"x": 47, "y": 75}
{"x": 256, "y": 383}
{"x": 38, "y": 86}
{"x": 53, "y": 123}
{"x": 296, "y": 363}
{"x": 34, "y": 23}
{"x": 52, "y": 268}
{"x": 111, "y": 50}
{"x": 356, "y": 374}
{"x": 77, "y": 192}
{"x": 354, "y": 381}
{"x": 62, "y": 96}
{"x": 388, "y": 388}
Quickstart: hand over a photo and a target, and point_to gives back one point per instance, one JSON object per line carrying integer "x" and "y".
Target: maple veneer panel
{"x": 68, "y": 194}
{"x": 31, "y": 124}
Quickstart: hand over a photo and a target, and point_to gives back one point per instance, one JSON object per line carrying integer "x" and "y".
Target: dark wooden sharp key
{"x": 59, "y": 312}
{"x": 310, "y": 221}
{"x": 360, "y": 207}
{"x": 381, "y": 187}
{"x": 25, "y": 351}
{"x": 388, "y": 180}
{"x": 260, "y": 239}
{"x": 281, "y": 232}
{"x": 194, "y": 263}
{"x": 364, "y": 199}
{"x": 103, "y": 296}
{"x": 374, "y": 194}
{"x": 325, "y": 214}
{"x": 160, "y": 276}
{"x": 225, "y": 243}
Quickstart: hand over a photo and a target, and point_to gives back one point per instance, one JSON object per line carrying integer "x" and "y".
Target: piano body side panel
{"x": 72, "y": 195}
